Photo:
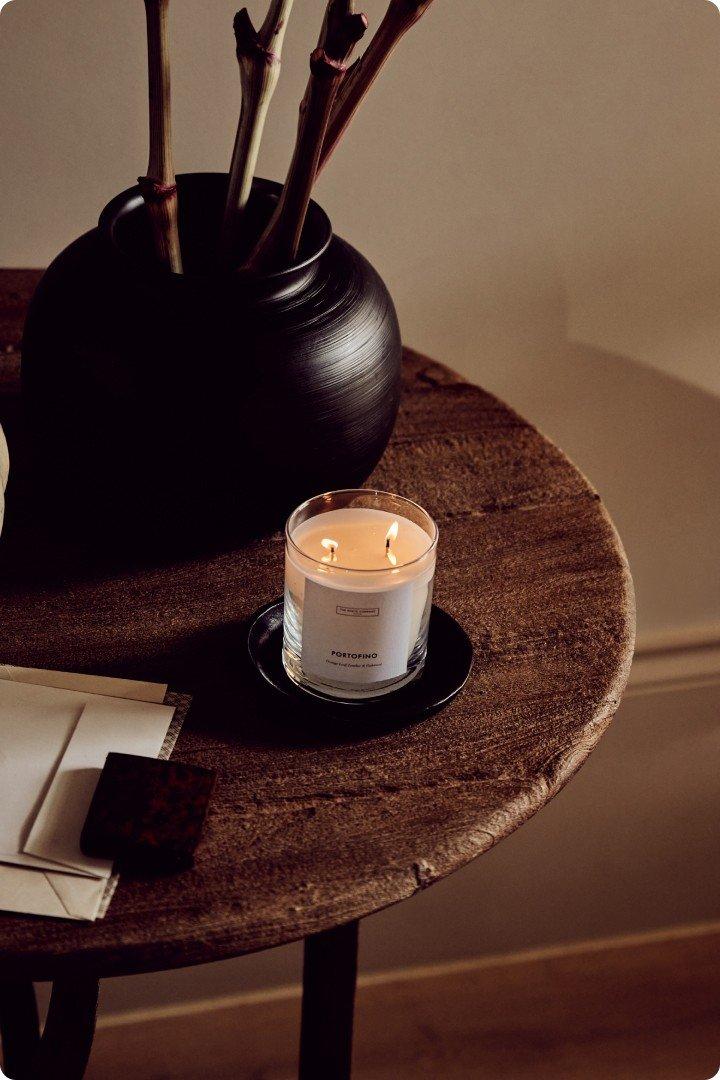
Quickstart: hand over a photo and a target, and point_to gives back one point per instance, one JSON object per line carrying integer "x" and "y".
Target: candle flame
{"x": 389, "y": 537}
{"x": 331, "y": 547}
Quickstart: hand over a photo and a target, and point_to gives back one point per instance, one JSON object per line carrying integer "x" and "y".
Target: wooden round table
{"x": 306, "y": 836}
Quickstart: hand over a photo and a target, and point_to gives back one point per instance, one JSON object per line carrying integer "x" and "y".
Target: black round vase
{"x": 204, "y": 404}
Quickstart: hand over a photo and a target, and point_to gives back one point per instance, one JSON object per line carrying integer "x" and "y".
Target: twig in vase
{"x": 398, "y": 19}
{"x": 341, "y": 30}
{"x": 258, "y": 53}
{"x": 158, "y": 187}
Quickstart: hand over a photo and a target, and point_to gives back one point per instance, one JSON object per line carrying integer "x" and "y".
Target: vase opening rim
{"x": 201, "y": 199}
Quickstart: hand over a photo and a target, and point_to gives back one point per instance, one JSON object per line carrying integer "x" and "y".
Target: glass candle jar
{"x": 359, "y": 569}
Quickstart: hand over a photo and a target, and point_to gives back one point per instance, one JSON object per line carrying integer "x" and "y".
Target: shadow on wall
{"x": 648, "y": 441}
{"x": 650, "y": 444}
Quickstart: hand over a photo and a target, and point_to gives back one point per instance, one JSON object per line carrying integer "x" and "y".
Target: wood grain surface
{"x": 307, "y": 833}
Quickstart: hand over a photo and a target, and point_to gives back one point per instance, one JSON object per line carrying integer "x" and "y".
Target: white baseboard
{"x": 415, "y": 973}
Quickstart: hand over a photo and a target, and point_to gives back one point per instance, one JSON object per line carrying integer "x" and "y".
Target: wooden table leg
{"x": 329, "y": 975}
{"x": 19, "y": 1025}
{"x": 63, "y": 1051}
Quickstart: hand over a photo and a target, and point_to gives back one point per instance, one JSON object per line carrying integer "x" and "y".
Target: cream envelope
{"x": 38, "y": 892}
{"x": 127, "y": 727}
{"x": 37, "y": 732}
{"x": 90, "y": 684}
{"x": 38, "y": 726}
{"x": 36, "y": 723}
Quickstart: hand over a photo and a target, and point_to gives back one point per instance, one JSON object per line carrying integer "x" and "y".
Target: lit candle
{"x": 359, "y": 571}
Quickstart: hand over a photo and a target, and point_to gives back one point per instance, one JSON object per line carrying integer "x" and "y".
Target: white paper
{"x": 59, "y": 892}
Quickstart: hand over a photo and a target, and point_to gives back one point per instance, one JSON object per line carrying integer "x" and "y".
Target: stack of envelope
{"x": 56, "y": 730}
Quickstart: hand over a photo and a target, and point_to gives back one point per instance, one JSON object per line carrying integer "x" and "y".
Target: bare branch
{"x": 158, "y": 187}
{"x": 399, "y": 17}
{"x": 341, "y": 30}
{"x": 258, "y": 54}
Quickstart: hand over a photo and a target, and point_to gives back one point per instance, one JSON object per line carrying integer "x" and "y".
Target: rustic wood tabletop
{"x": 306, "y": 834}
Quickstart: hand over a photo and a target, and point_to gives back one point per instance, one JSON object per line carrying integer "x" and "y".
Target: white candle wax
{"x": 362, "y": 541}
{"x": 358, "y": 596}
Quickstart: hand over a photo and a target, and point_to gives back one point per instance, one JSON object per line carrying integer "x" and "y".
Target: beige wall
{"x": 537, "y": 182}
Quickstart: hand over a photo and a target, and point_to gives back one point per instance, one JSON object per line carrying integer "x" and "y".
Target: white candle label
{"x": 356, "y": 638}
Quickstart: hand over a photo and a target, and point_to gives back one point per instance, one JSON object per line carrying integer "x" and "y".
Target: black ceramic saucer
{"x": 445, "y": 673}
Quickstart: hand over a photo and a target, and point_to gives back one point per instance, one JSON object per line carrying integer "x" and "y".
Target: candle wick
{"x": 387, "y": 544}
{"x": 330, "y": 546}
